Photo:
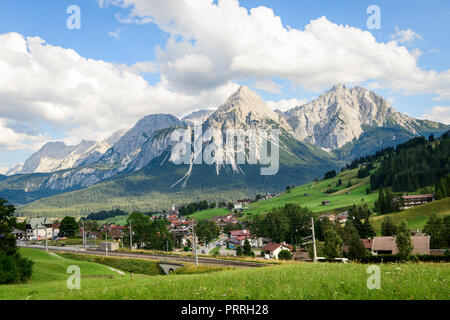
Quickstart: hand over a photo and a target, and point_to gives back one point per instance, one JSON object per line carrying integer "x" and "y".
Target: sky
{"x": 68, "y": 76}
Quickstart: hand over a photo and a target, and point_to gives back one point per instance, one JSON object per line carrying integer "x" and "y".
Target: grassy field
{"x": 417, "y": 217}
{"x": 119, "y": 220}
{"x": 316, "y": 194}
{"x": 289, "y": 281}
{"x": 209, "y": 214}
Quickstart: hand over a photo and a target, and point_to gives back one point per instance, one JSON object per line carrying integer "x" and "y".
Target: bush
{"x": 285, "y": 255}
{"x": 9, "y": 273}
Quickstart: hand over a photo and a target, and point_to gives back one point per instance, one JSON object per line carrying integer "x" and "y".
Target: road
{"x": 158, "y": 257}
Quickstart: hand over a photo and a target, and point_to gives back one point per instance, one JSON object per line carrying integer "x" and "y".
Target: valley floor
{"x": 291, "y": 281}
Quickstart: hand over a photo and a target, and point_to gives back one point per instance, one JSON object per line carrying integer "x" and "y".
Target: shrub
{"x": 9, "y": 272}
{"x": 285, "y": 255}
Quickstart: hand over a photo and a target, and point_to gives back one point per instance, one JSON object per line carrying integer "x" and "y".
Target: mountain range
{"x": 314, "y": 138}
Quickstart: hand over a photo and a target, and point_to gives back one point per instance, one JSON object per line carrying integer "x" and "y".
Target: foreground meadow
{"x": 290, "y": 281}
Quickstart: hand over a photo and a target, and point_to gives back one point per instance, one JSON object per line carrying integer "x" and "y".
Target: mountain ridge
{"x": 300, "y": 157}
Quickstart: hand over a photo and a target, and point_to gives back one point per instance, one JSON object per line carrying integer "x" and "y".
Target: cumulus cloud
{"x": 286, "y": 104}
{"x": 85, "y": 98}
{"x": 19, "y": 138}
{"x": 439, "y": 114}
{"x": 224, "y": 42}
{"x": 268, "y": 85}
{"x": 405, "y": 36}
{"x": 115, "y": 33}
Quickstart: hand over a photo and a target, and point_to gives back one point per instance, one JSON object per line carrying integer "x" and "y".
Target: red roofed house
{"x": 272, "y": 250}
{"x": 238, "y": 237}
{"x": 367, "y": 244}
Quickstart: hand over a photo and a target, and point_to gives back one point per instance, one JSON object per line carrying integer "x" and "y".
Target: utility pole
{"x": 106, "y": 246}
{"x": 46, "y": 240}
{"x": 84, "y": 236}
{"x": 314, "y": 239}
{"x": 131, "y": 238}
{"x": 195, "y": 243}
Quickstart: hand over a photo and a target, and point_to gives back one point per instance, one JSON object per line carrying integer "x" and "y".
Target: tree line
{"x": 415, "y": 164}
{"x": 105, "y": 214}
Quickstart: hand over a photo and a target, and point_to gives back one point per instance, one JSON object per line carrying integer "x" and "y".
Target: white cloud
{"x": 405, "y": 36}
{"x": 268, "y": 85}
{"x": 286, "y": 104}
{"x": 3, "y": 170}
{"x": 142, "y": 67}
{"x": 12, "y": 139}
{"x": 115, "y": 33}
{"x": 438, "y": 114}
{"x": 85, "y": 98}
{"x": 231, "y": 43}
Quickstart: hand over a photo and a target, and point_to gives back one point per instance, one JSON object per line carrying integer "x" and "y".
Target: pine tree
{"x": 247, "y": 249}
{"x": 435, "y": 228}
{"x": 356, "y": 248}
{"x": 403, "y": 241}
{"x": 388, "y": 228}
{"x": 381, "y": 202}
{"x": 332, "y": 245}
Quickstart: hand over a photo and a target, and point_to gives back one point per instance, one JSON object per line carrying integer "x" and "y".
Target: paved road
{"x": 158, "y": 257}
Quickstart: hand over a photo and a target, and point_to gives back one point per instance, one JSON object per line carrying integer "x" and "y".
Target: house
{"x": 342, "y": 217}
{"x": 272, "y": 250}
{"x": 326, "y": 203}
{"x": 238, "y": 237}
{"x": 240, "y": 204}
{"x": 367, "y": 244}
{"x": 329, "y": 216}
{"x": 39, "y": 228}
{"x": 387, "y": 245}
{"x": 19, "y": 234}
{"x": 417, "y": 200}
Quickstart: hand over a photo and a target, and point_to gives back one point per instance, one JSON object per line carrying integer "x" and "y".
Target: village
{"x": 234, "y": 236}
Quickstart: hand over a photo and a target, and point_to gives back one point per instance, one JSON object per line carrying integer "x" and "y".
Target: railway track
{"x": 158, "y": 257}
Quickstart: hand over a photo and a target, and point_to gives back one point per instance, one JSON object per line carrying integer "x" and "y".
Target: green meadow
{"x": 209, "y": 214}
{"x": 289, "y": 281}
{"x": 416, "y": 217}
{"x": 311, "y": 195}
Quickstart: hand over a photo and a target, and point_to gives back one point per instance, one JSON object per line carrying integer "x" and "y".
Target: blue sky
{"x": 429, "y": 22}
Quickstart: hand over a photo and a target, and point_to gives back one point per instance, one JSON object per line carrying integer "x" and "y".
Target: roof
{"x": 367, "y": 243}
{"x": 236, "y": 233}
{"x": 274, "y": 246}
{"x": 240, "y": 237}
{"x": 421, "y": 244}
{"x": 17, "y": 231}
{"x": 342, "y": 215}
{"x": 386, "y": 243}
{"x": 419, "y": 196}
{"x": 41, "y": 222}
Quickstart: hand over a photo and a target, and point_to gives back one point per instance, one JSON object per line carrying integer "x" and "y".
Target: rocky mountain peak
{"x": 337, "y": 116}
{"x": 244, "y": 107}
